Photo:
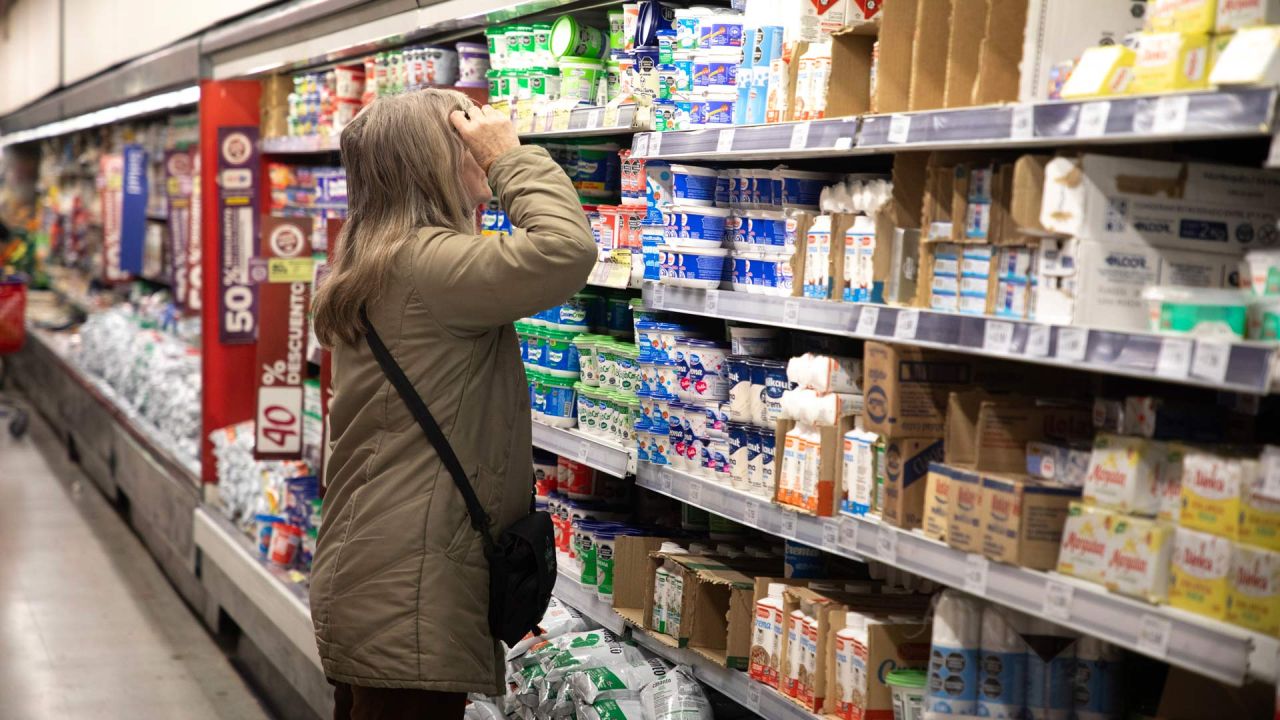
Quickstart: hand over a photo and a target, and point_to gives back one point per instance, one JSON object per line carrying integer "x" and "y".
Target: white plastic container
{"x": 695, "y": 226}
{"x": 1202, "y": 312}
{"x": 701, "y": 268}
{"x": 1264, "y": 272}
{"x": 693, "y": 185}
{"x": 766, "y": 641}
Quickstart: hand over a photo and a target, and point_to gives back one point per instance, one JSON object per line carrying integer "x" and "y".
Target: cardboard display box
{"x": 1023, "y": 520}
{"x": 990, "y": 432}
{"x": 633, "y": 577}
{"x": 906, "y": 389}
{"x": 906, "y": 471}
{"x": 964, "y": 517}
{"x": 830, "y": 470}
{"x": 684, "y": 569}
{"x": 890, "y": 646}
{"x": 939, "y": 497}
{"x": 723, "y": 613}
{"x": 1060, "y": 30}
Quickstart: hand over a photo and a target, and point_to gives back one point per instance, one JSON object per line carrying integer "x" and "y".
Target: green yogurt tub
{"x": 908, "y": 693}
{"x": 572, "y": 39}
{"x": 1264, "y": 318}
{"x": 1205, "y": 312}
{"x": 587, "y": 359}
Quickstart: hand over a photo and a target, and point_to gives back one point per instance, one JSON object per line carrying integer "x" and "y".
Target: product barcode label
{"x": 1024, "y": 123}
{"x": 751, "y": 516}
{"x": 899, "y": 129}
{"x": 665, "y": 482}
{"x": 887, "y": 544}
{"x": 1211, "y": 361}
{"x": 1153, "y": 636}
{"x": 1073, "y": 343}
{"x": 593, "y": 119}
{"x": 1174, "y": 360}
{"x": 849, "y": 534}
{"x": 711, "y": 303}
{"x": 1171, "y": 114}
{"x": 976, "y": 569}
{"x": 867, "y": 320}
{"x": 1057, "y": 601}
{"x": 695, "y": 493}
{"x": 831, "y": 536}
{"x": 790, "y": 524}
{"x": 1038, "y": 341}
{"x": 1093, "y": 118}
{"x": 724, "y": 142}
{"x": 658, "y": 298}
{"x": 655, "y": 144}
{"x": 790, "y": 312}
{"x": 905, "y": 326}
{"x": 997, "y": 337}
{"x": 753, "y": 696}
{"x": 800, "y": 136}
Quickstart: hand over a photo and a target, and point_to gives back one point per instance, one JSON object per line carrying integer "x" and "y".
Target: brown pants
{"x": 351, "y": 702}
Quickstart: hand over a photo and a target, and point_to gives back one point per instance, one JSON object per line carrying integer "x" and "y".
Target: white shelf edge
{"x": 576, "y": 595}
{"x": 580, "y": 447}
{"x": 1202, "y": 645}
{"x": 281, "y": 605}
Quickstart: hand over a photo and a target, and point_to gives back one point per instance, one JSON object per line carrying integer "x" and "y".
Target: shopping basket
{"x": 13, "y": 333}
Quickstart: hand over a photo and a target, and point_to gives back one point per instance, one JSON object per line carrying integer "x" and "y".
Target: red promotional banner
{"x": 111, "y": 177}
{"x": 283, "y": 276}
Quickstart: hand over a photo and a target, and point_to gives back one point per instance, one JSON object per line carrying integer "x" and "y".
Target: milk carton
{"x": 1253, "y": 598}
{"x": 1122, "y": 475}
{"x": 1201, "y": 573}
{"x": 1138, "y": 553}
{"x": 1084, "y": 542}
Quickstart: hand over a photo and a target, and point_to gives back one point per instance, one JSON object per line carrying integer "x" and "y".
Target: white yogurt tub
{"x": 693, "y": 185}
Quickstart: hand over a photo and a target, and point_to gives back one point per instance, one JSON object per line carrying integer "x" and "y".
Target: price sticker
{"x": 1057, "y": 601}
{"x": 800, "y": 136}
{"x": 593, "y": 119}
{"x": 640, "y": 145}
{"x": 831, "y": 536}
{"x": 655, "y": 144}
{"x": 658, "y": 298}
{"x": 790, "y": 312}
{"x": 751, "y": 516}
{"x": 976, "y": 570}
{"x": 1171, "y": 114}
{"x": 844, "y": 143}
{"x": 584, "y": 451}
{"x": 1038, "y": 341}
{"x": 1073, "y": 344}
{"x": 899, "y": 129}
{"x": 665, "y": 482}
{"x": 867, "y": 320}
{"x": 849, "y": 535}
{"x": 790, "y": 525}
{"x": 753, "y": 696}
{"x": 724, "y": 141}
{"x": 1174, "y": 360}
{"x": 695, "y": 493}
{"x": 1153, "y": 636}
{"x": 1024, "y": 123}
{"x": 1093, "y": 118}
{"x": 887, "y": 544}
{"x": 997, "y": 337}
{"x": 711, "y": 303}
{"x": 905, "y": 326}
{"x": 1211, "y": 361}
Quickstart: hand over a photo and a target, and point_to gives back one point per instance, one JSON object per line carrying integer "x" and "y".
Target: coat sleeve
{"x": 474, "y": 283}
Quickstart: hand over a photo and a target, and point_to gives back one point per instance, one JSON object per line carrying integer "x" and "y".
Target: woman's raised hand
{"x": 486, "y": 132}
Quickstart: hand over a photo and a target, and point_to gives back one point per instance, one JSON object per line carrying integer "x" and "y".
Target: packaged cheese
{"x": 1201, "y": 573}
{"x": 1103, "y": 70}
{"x": 1188, "y": 16}
{"x": 1138, "y": 554}
{"x": 1234, "y": 15}
{"x": 1253, "y": 600}
{"x": 1084, "y": 543}
{"x": 1169, "y": 457}
{"x": 1122, "y": 475}
{"x": 1170, "y": 61}
{"x": 1211, "y": 493}
{"x": 1259, "y": 515}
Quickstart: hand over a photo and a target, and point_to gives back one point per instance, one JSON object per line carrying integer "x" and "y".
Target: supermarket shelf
{"x": 1201, "y": 645}
{"x": 1204, "y": 115}
{"x": 594, "y": 452}
{"x": 1229, "y": 366}
{"x": 584, "y": 599}
{"x": 733, "y": 684}
{"x": 619, "y": 276}
{"x": 299, "y": 145}
{"x": 584, "y": 122}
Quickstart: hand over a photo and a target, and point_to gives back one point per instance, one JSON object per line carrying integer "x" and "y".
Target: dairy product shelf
{"x": 594, "y": 121}
{"x": 1203, "y": 115}
{"x": 299, "y": 145}
{"x": 1237, "y": 366}
{"x": 580, "y": 447}
{"x": 1214, "y": 649}
{"x": 584, "y": 600}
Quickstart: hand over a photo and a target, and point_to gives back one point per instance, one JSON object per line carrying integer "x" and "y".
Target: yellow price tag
{"x": 290, "y": 270}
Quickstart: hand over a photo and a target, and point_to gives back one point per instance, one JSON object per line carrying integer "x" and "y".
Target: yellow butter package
{"x": 1212, "y": 490}
{"x": 1172, "y": 61}
{"x": 1201, "y": 573}
{"x": 1259, "y": 515}
{"x": 1187, "y": 16}
{"x": 1083, "y": 552}
{"x": 1253, "y": 599}
{"x": 1217, "y": 45}
{"x": 1102, "y": 71}
{"x": 1138, "y": 555}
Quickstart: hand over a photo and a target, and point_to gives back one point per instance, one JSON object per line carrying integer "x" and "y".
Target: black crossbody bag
{"x": 522, "y": 561}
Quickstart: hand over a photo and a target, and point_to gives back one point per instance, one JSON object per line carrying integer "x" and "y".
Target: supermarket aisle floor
{"x": 89, "y": 626}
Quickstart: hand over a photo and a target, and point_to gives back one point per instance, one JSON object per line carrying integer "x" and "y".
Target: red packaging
{"x": 285, "y": 540}
{"x": 576, "y": 480}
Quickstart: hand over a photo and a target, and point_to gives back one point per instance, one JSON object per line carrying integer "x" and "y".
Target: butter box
{"x": 1169, "y": 457}
{"x": 1083, "y": 553}
{"x": 1170, "y": 61}
{"x": 1259, "y": 515}
{"x": 1188, "y": 16}
{"x": 964, "y": 526}
{"x": 1235, "y": 15}
{"x": 1122, "y": 475}
{"x": 939, "y": 496}
{"x": 1212, "y": 488}
{"x": 1201, "y": 573}
{"x": 1103, "y": 70}
{"x": 1022, "y": 519}
{"x": 1138, "y": 554}
{"x": 1251, "y": 58}
{"x": 1253, "y": 599}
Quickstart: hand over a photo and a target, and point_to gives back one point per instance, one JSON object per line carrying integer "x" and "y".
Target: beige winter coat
{"x": 399, "y": 591}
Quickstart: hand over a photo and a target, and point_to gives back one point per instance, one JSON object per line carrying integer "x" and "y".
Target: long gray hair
{"x": 402, "y": 159}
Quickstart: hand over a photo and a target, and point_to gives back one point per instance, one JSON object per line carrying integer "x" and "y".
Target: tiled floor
{"x": 89, "y": 626}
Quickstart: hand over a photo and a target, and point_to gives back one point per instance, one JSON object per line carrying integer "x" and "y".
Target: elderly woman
{"x": 399, "y": 592}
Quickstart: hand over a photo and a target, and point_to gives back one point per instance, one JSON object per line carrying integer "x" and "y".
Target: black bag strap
{"x": 418, "y": 408}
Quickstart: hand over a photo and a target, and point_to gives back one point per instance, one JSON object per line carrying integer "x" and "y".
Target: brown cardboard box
{"x": 803, "y": 221}
{"x": 684, "y": 569}
{"x": 849, "y": 91}
{"x": 723, "y": 608}
{"x": 890, "y": 646}
{"x": 906, "y": 472}
{"x": 1023, "y": 519}
{"x": 1000, "y": 56}
{"x": 990, "y": 432}
{"x": 761, "y": 665}
{"x": 906, "y": 389}
{"x": 968, "y": 22}
{"x": 632, "y": 577}
{"x": 964, "y": 523}
{"x": 939, "y": 496}
{"x": 929, "y": 57}
{"x": 1027, "y": 195}
{"x": 893, "y": 70}
{"x": 830, "y": 467}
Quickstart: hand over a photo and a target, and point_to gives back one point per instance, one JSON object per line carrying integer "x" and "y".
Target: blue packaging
{"x": 803, "y": 189}
{"x": 644, "y": 439}
{"x": 767, "y": 231}
{"x": 691, "y": 223}
{"x": 743, "y": 86}
{"x": 952, "y": 686}
{"x": 652, "y": 17}
{"x": 703, "y": 265}
{"x": 693, "y": 185}
{"x": 1049, "y": 682}
{"x": 722, "y": 73}
{"x": 723, "y": 181}
{"x": 265, "y": 525}
{"x": 720, "y": 111}
{"x": 804, "y": 562}
{"x": 560, "y": 401}
{"x": 1097, "y": 692}
{"x": 647, "y": 340}
{"x": 775, "y": 384}
{"x": 758, "y": 106}
{"x": 741, "y": 277}
{"x": 766, "y": 191}
{"x": 750, "y": 47}
{"x": 704, "y": 365}
{"x": 767, "y": 46}
{"x": 536, "y": 349}
{"x": 737, "y": 444}
{"x": 684, "y": 75}
{"x": 659, "y": 447}
{"x": 702, "y": 72}
{"x": 697, "y": 112}
{"x": 715, "y": 31}
{"x": 1002, "y": 683}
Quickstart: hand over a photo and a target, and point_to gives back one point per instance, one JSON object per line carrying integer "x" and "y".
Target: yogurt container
{"x": 1264, "y": 272}
{"x": 803, "y": 189}
{"x": 659, "y": 447}
{"x": 559, "y": 406}
{"x": 666, "y": 382}
{"x": 579, "y": 77}
{"x": 762, "y": 231}
{"x": 775, "y": 385}
{"x": 588, "y": 419}
{"x": 1203, "y": 312}
{"x": 692, "y": 267}
{"x": 589, "y": 371}
{"x": 661, "y": 419}
{"x": 738, "y": 454}
{"x": 695, "y": 227}
{"x": 693, "y": 185}
{"x": 1264, "y": 319}
{"x": 628, "y": 367}
{"x": 569, "y": 38}
{"x": 766, "y": 190}
{"x": 724, "y": 179}
{"x": 536, "y": 348}
{"x": 561, "y": 358}
{"x": 704, "y": 379}
{"x": 908, "y": 693}
{"x": 720, "y": 108}
{"x": 720, "y": 30}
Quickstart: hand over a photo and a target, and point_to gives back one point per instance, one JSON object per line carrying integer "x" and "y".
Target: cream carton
{"x": 1122, "y": 475}
{"x": 1212, "y": 488}
{"x": 1138, "y": 554}
{"x": 1201, "y": 573}
{"x": 1084, "y": 542}
{"x": 1253, "y": 598}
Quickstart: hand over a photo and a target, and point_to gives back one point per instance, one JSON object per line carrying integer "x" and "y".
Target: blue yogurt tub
{"x": 693, "y": 267}
{"x": 696, "y": 227}
{"x": 693, "y": 185}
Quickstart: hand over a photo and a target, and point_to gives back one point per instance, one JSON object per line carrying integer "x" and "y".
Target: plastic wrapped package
{"x": 248, "y": 487}
{"x": 676, "y": 696}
